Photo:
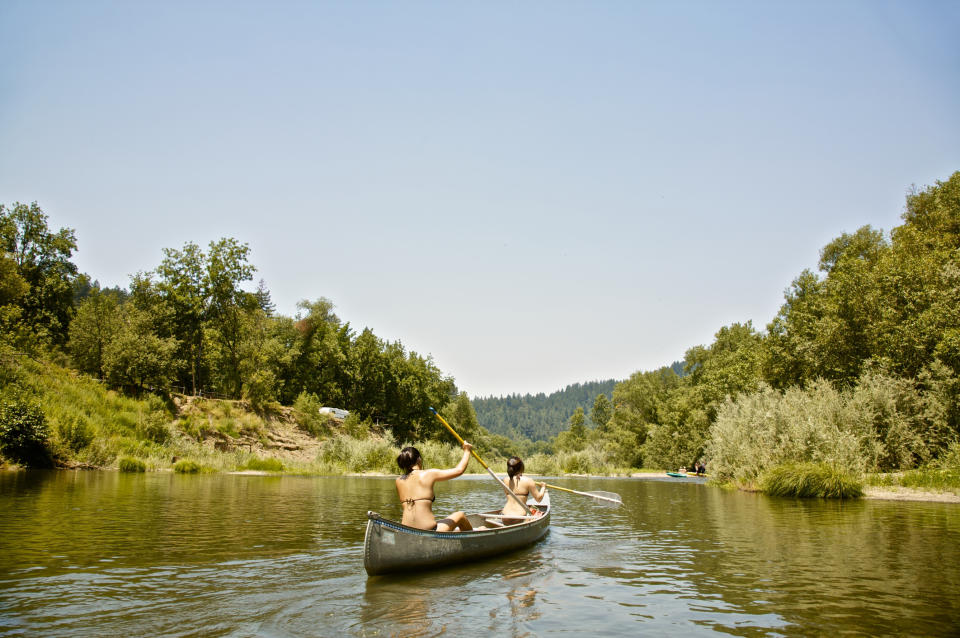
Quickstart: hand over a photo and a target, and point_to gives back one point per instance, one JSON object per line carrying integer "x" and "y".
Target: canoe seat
{"x": 493, "y": 523}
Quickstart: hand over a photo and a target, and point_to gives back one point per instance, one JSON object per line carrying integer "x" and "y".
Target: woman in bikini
{"x": 415, "y": 489}
{"x": 523, "y": 487}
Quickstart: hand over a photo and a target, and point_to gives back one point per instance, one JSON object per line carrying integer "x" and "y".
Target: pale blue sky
{"x": 536, "y": 194}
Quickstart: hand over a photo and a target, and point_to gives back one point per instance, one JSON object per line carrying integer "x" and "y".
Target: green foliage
{"x": 138, "y": 358}
{"x": 602, "y": 411}
{"x": 537, "y": 417}
{"x": 39, "y": 292}
{"x": 187, "y": 467}
{"x": 94, "y": 327}
{"x": 129, "y": 464}
{"x": 347, "y": 454}
{"x": 75, "y": 432}
{"x": 926, "y": 479}
{"x": 153, "y": 427}
{"x": 23, "y": 428}
{"x": 306, "y": 410}
{"x": 810, "y": 480}
{"x": 265, "y": 465}
{"x": 258, "y": 389}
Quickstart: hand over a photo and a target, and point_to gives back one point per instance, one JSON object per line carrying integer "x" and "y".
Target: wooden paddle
{"x": 485, "y": 466}
{"x": 611, "y": 499}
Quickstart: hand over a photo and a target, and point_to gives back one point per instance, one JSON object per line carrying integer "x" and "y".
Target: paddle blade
{"x": 607, "y": 499}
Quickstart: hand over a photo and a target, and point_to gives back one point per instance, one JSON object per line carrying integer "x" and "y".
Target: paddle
{"x": 485, "y": 466}
{"x": 610, "y": 499}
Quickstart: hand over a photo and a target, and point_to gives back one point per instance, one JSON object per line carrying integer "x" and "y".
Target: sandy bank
{"x": 909, "y": 494}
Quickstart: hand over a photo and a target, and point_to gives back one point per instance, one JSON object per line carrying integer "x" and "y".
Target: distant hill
{"x": 539, "y": 417}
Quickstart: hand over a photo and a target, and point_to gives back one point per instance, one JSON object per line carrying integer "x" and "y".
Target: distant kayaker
{"x": 522, "y": 486}
{"x": 415, "y": 489}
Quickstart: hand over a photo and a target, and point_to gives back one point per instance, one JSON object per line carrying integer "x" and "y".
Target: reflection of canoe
{"x": 391, "y": 547}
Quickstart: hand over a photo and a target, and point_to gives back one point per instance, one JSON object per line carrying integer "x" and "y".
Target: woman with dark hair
{"x": 522, "y": 486}
{"x": 415, "y": 489}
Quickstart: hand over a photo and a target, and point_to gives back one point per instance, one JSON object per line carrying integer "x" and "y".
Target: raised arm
{"x": 535, "y": 490}
{"x": 453, "y": 472}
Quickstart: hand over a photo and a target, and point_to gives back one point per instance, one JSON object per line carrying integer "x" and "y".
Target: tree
{"x": 182, "y": 286}
{"x": 602, "y": 411}
{"x": 42, "y": 260}
{"x": 575, "y": 437}
{"x": 92, "y": 330}
{"x": 137, "y": 357}
{"x": 226, "y": 268}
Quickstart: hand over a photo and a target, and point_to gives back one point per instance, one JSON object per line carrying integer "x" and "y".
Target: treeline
{"x": 191, "y": 324}
{"x": 860, "y": 368}
{"x": 538, "y": 417}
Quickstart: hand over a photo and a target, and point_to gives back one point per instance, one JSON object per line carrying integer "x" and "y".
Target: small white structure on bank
{"x": 336, "y": 413}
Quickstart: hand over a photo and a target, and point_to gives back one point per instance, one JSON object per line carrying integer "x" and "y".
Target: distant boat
{"x": 390, "y": 546}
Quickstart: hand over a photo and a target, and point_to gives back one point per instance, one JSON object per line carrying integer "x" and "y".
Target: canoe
{"x": 677, "y": 474}
{"x": 390, "y": 546}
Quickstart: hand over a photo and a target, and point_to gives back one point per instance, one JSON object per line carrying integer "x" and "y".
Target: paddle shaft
{"x": 485, "y": 466}
{"x": 563, "y": 489}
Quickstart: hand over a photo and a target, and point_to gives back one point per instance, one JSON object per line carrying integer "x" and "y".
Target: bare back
{"x": 523, "y": 487}
{"x": 416, "y": 497}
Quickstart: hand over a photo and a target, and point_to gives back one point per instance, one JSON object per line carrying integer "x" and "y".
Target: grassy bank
{"x": 88, "y": 425}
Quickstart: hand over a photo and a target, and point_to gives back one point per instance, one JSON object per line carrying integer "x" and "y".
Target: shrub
{"x": 186, "y": 467}
{"x": 75, "y": 432}
{"x": 814, "y": 425}
{"x": 810, "y": 480}
{"x": 128, "y": 464}
{"x": 265, "y": 465}
{"x": 306, "y": 411}
{"x": 23, "y": 429}
{"x": 259, "y": 390}
{"x": 368, "y": 455}
{"x": 153, "y": 427}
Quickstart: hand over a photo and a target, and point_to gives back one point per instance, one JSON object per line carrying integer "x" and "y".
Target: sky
{"x": 534, "y": 194}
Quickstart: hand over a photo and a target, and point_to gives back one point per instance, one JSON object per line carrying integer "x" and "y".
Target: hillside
{"x": 538, "y": 417}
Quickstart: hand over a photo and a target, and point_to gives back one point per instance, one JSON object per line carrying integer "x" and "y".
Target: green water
{"x": 106, "y": 554}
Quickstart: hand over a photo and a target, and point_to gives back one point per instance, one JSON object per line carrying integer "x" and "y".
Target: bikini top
{"x": 411, "y": 501}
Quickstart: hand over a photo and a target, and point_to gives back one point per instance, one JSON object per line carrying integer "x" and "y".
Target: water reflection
{"x": 110, "y": 554}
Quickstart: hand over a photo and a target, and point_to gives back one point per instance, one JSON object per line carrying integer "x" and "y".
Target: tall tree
{"x": 602, "y": 411}
{"x": 43, "y": 263}
{"x": 183, "y": 286}
{"x": 92, "y": 330}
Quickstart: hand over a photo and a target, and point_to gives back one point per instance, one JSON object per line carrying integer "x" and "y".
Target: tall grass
{"x": 128, "y": 464}
{"x": 810, "y": 480}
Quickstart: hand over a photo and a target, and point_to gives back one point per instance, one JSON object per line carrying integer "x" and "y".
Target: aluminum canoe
{"x": 390, "y": 546}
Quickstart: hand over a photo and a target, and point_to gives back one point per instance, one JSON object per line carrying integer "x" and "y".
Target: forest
{"x": 857, "y": 371}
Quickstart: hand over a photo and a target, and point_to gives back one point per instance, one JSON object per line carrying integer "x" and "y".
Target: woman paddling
{"x": 415, "y": 489}
{"x": 522, "y": 487}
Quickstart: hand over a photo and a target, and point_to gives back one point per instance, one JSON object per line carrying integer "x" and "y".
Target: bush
{"x": 75, "y": 432}
{"x": 186, "y": 467}
{"x": 23, "y": 429}
{"x": 810, "y": 480}
{"x": 128, "y": 464}
{"x": 265, "y": 465}
{"x": 368, "y": 455}
{"x": 153, "y": 427}
{"x": 306, "y": 411}
{"x": 814, "y": 425}
{"x": 259, "y": 390}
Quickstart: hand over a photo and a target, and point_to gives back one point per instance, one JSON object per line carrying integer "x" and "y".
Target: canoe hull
{"x": 392, "y": 547}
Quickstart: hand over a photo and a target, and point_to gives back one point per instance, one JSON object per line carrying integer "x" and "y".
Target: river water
{"x": 108, "y": 554}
